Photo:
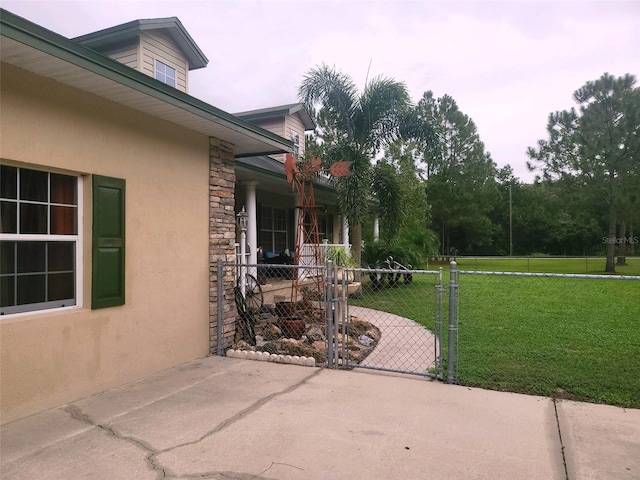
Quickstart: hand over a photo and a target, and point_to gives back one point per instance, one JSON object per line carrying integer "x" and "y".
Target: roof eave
{"x": 278, "y": 111}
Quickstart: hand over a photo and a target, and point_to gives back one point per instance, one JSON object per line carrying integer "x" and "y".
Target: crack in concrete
{"x": 562, "y": 449}
{"x": 223, "y": 476}
{"x": 243, "y": 413}
{"x": 165, "y": 473}
{"x": 76, "y": 413}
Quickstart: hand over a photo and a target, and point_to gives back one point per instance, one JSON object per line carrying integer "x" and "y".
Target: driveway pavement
{"x": 227, "y": 418}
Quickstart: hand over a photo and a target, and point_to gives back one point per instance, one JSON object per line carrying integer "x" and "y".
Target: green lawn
{"x": 571, "y": 338}
{"x": 558, "y": 337}
{"x": 590, "y": 265}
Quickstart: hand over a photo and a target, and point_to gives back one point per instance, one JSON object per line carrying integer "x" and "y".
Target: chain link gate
{"x": 386, "y": 319}
{"x": 379, "y": 319}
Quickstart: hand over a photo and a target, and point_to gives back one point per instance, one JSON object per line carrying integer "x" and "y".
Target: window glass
{"x": 33, "y": 218}
{"x": 60, "y": 286}
{"x": 8, "y": 217}
{"x": 61, "y": 256}
{"x": 273, "y": 229}
{"x": 280, "y": 241}
{"x": 325, "y": 226}
{"x": 37, "y": 271}
{"x": 7, "y": 291}
{"x": 31, "y": 257}
{"x": 63, "y": 220}
{"x": 8, "y": 182}
{"x": 165, "y": 73}
{"x": 63, "y": 189}
{"x": 31, "y": 289}
{"x": 34, "y": 185}
{"x": 7, "y": 257}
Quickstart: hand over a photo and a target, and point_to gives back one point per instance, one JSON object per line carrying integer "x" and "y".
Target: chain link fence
{"x": 571, "y": 336}
{"x": 387, "y": 319}
{"x": 566, "y": 335}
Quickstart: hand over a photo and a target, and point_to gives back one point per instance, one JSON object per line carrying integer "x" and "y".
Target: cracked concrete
{"x": 221, "y": 419}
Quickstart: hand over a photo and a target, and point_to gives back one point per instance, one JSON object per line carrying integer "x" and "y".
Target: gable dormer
{"x": 161, "y": 48}
{"x": 289, "y": 121}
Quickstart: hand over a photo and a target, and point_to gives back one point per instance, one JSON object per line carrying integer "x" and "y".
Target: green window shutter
{"x": 108, "y": 242}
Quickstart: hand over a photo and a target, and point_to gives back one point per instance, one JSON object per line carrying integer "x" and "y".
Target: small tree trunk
{"x": 632, "y": 245}
{"x": 622, "y": 249}
{"x": 446, "y": 252}
{"x": 611, "y": 245}
{"x": 356, "y": 243}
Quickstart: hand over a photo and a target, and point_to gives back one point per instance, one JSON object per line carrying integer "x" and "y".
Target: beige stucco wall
{"x": 47, "y": 359}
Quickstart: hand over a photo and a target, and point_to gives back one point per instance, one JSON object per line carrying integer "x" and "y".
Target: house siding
{"x": 126, "y": 54}
{"x": 293, "y": 124}
{"x": 156, "y": 45}
{"x": 284, "y": 126}
{"x": 53, "y": 357}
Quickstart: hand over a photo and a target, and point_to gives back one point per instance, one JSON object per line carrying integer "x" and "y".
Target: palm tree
{"x": 353, "y": 127}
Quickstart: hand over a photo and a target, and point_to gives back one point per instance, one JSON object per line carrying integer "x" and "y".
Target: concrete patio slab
{"x": 222, "y": 418}
{"x": 601, "y": 441}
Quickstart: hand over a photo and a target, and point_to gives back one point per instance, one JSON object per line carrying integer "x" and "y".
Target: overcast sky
{"x": 508, "y": 64}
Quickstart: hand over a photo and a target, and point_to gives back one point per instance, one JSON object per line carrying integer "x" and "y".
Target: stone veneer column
{"x": 222, "y": 235}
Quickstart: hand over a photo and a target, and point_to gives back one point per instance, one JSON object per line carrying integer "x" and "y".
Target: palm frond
{"x": 324, "y": 89}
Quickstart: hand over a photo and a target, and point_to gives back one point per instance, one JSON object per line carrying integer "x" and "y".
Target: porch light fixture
{"x": 243, "y": 220}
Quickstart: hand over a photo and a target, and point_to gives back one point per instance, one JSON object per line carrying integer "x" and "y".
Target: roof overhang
{"x": 280, "y": 111}
{"x": 43, "y": 52}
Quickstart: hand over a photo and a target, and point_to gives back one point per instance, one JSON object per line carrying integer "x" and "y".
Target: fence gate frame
{"x": 338, "y": 318}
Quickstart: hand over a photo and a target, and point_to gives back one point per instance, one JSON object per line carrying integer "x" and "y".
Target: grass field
{"x": 589, "y": 265}
{"x": 558, "y": 337}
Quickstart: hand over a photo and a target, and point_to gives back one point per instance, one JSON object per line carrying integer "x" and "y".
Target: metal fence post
{"x": 220, "y": 323}
{"x": 334, "y": 318}
{"x": 329, "y": 312}
{"x": 440, "y": 326}
{"x": 453, "y": 323}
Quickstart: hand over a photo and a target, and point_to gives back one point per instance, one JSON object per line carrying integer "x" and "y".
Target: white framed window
{"x": 40, "y": 244}
{"x": 295, "y": 138}
{"x": 273, "y": 229}
{"x": 165, "y": 73}
{"x": 325, "y": 226}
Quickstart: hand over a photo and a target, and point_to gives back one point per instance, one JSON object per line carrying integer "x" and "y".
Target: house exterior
{"x": 262, "y": 188}
{"x": 117, "y": 196}
{"x": 162, "y": 48}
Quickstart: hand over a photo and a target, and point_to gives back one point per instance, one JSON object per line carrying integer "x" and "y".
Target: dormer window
{"x": 295, "y": 139}
{"x": 165, "y": 73}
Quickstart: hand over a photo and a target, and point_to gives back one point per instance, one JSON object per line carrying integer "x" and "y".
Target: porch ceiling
{"x": 271, "y": 177}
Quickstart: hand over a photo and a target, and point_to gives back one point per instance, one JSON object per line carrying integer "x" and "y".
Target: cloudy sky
{"x": 508, "y": 64}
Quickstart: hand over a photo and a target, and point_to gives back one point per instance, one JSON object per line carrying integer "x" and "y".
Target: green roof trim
{"x": 58, "y": 46}
{"x": 278, "y": 111}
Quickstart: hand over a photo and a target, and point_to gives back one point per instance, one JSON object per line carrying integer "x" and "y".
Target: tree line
{"x": 423, "y": 170}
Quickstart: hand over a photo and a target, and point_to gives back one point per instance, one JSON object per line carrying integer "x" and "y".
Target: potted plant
{"x": 340, "y": 258}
